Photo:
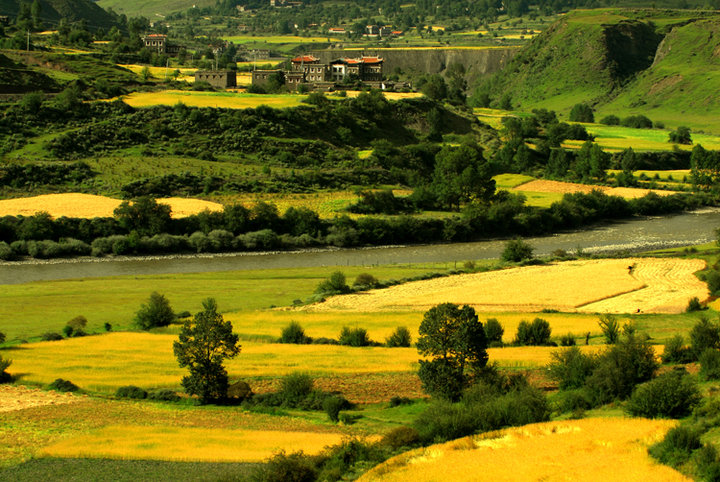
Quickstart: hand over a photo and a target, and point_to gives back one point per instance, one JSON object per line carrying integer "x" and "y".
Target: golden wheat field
{"x": 99, "y": 363}
{"x": 78, "y": 205}
{"x": 654, "y": 285}
{"x": 167, "y": 442}
{"x": 540, "y": 185}
{"x": 599, "y": 449}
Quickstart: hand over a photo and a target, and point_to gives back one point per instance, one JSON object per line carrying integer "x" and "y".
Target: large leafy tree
{"x": 203, "y": 344}
{"x": 454, "y": 341}
{"x": 143, "y": 215}
{"x": 157, "y": 312}
{"x": 461, "y": 175}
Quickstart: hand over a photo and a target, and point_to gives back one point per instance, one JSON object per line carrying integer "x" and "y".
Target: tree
{"x": 516, "y": 250}
{"x": 204, "y": 343}
{"x": 681, "y": 135}
{"x": 454, "y": 340}
{"x": 156, "y": 312}
{"x": 461, "y": 175}
{"x": 143, "y": 215}
{"x": 582, "y": 113}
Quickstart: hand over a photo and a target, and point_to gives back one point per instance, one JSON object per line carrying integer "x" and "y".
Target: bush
{"x": 396, "y": 401}
{"x": 61, "y": 385}
{"x": 712, "y": 278}
{"x": 5, "y": 377}
{"x": 107, "y": 326}
{"x": 295, "y": 387}
{"x": 571, "y": 367}
{"x": 693, "y": 305}
{"x": 131, "y": 391}
{"x": 637, "y": 122}
{"x": 163, "y": 395}
{"x": 156, "y": 312}
{"x": 675, "y": 351}
{"x": 710, "y": 364}
{"x": 681, "y": 135}
{"x": 399, "y": 338}
{"x": 536, "y": 333}
{"x": 443, "y": 421}
{"x": 296, "y": 467}
{"x": 610, "y": 120}
{"x": 610, "y": 328}
{"x": 401, "y": 437}
{"x": 354, "y": 337}
{"x": 494, "y": 332}
{"x": 576, "y": 401}
{"x": 704, "y": 335}
{"x": 335, "y": 284}
{"x": 516, "y": 250}
{"x": 365, "y": 280}
{"x": 582, "y": 113}
{"x": 567, "y": 340}
{"x": 51, "y": 336}
{"x": 332, "y": 406}
{"x": 294, "y": 333}
{"x": 677, "y": 446}
{"x": 672, "y": 395}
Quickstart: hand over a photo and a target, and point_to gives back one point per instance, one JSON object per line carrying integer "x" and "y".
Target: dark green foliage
{"x": 332, "y": 406}
{"x": 704, "y": 334}
{"x": 399, "y": 338}
{"x": 51, "y": 336}
{"x": 694, "y": 305}
{"x": 494, "y": 332}
{"x": 610, "y": 328}
{"x": 163, "y": 395}
{"x": 571, "y": 367}
{"x": 107, "y": 326}
{"x": 203, "y": 344}
{"x": 295, "y": 387}
{"x": 5, "y": 363}
{"x": 582, "y": 113}
{"x": 380, "y": 202}
{"x": 365, "y": 280}
{"x": 294, "y": 333}
{"x": 575, "y": 401}
{"x": 335, "y": 284}
{"x": 567, "y": 340}
{"x": 281, "y": 467}
{"x": 67, "y": 331}
{"x": 712, "y": 278}
{"x": 516, "y": 250}
{"x": 131, "y": 391}
{"x": 610, "y": 120}
{"x": 60, "y": 385}
{"x": 157, "y": 312}
{"x": 461, "y": 175}
{"x": 401, "y": 437}
{"x": 707, "y": 462}
{"x": 454, "y": 340}
{"x": 443, "y": 421}
{"x": 27, "y": 175}
{"x": 629, "y": 362}
{"x": 637, "y": 121}
{"x": 536, "y": 333}
{"x": 677, "y": 446}
{"x": 681, "y": 135}
{"x": 143, "y": 215}
{"x": 354, "y": 337}
{"x": 675, "y": 351}
{"x": 397, "y": 401}
{"x": 2, "y": 337}
{"x": 710, "y": 364}
{"x": 673, "y": 395}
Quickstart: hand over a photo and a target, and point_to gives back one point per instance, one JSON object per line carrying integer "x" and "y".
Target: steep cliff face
{"x": 478, "y": 62}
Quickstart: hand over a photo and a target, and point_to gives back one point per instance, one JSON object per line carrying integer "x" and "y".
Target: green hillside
{"x": 153, "y": 8}
{"x": 18, "y": 78}
{"x": 74, "y": 10}
{"x": 662, "y": 64}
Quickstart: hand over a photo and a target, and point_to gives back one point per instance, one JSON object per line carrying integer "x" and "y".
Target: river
{"x": 631, "y": 235}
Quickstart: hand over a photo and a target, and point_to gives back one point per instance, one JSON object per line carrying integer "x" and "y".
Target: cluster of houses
{"x": 371, "y": 31}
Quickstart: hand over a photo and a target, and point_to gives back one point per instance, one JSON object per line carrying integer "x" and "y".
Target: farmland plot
{"x": 569, "y": 187}
{"x": 659, "y": 286}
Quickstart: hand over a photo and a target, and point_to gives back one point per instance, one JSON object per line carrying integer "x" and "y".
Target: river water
{"x": 632, "y": 235}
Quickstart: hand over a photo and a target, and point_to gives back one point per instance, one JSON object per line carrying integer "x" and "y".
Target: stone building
{"x": 159, "y": 43}
{"x": 221, "y": 79}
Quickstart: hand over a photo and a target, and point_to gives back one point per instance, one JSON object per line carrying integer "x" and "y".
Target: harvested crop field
{"x": 540, "y": 185}
{"x": 591, "y": 449}
{"x": 654, "y": 285}
{"x": 78, "y": 205}
{"x": 18, "y": 397}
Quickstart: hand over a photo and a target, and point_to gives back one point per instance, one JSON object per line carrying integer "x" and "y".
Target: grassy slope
{"x": 73, "y": 10}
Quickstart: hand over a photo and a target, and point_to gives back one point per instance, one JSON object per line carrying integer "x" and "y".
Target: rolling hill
{"x": 73, "y": 10}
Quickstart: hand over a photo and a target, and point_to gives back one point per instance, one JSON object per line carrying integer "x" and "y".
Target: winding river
{"x": 632, "y": 235}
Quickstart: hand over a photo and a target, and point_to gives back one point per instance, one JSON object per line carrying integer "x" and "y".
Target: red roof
{"x": 305, "y": 58}
{"x": 156, "y": 35}
{"x": 371, "y": 60}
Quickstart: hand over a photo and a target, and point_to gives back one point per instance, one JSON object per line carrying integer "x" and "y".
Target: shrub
{"x": 332, "y": 406}
{"x": 294, "y": 333}
{"x": 712, "y": 278}
{"x": 677, "y": 446}
{"x": 51, "y": 336}
{"x": 335, "y": 284}
{"x": 693, "y": 305}
{"x": 675, "y": 351}
{"x": 354, "y": 337}
{"x": 575, "y": 401}
{"x": 681, "y": 135}
{"x": 396, "y": 401}
{"x": 156, "y": 312}
{"x": 710, "y": 364}
{"x": 163, "y": 395}
{"x": 637, "y": 122}
{"x": 704, "y": 335}
{"x": 295, "y": 387}
{"x": 582, "y": 113}
{"x": 567, "y": 340}
{"x": 67, "y": 331}
{"x": 399, "y": 338}
{"x": 131, "y": 391}
{"x": 673, "y": 395}
{"x": 77, "y": 326}
{"x": 494, "y": 332}
{"x": 536, "y": 333}
{"x": 516, "y": 250}
{"x": 571, "y": 367}
{"x": 443, "y": 421}
{"x": 610, "y": 328}
{"x": 5, "y": 377}
{"x": 365, "y": 280}
{"x": 2, "y": 337}
{"x": 61, "y": 385}
{"x": 401, "y": 437}
{"x": 610, "y": 120}
{"x": 107, "y": 326}
{"x": 296, "y": 467}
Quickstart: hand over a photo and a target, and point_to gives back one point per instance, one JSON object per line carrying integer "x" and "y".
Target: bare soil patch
{"x": 540, "y": 185}
{"x": 607, "y": 285}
